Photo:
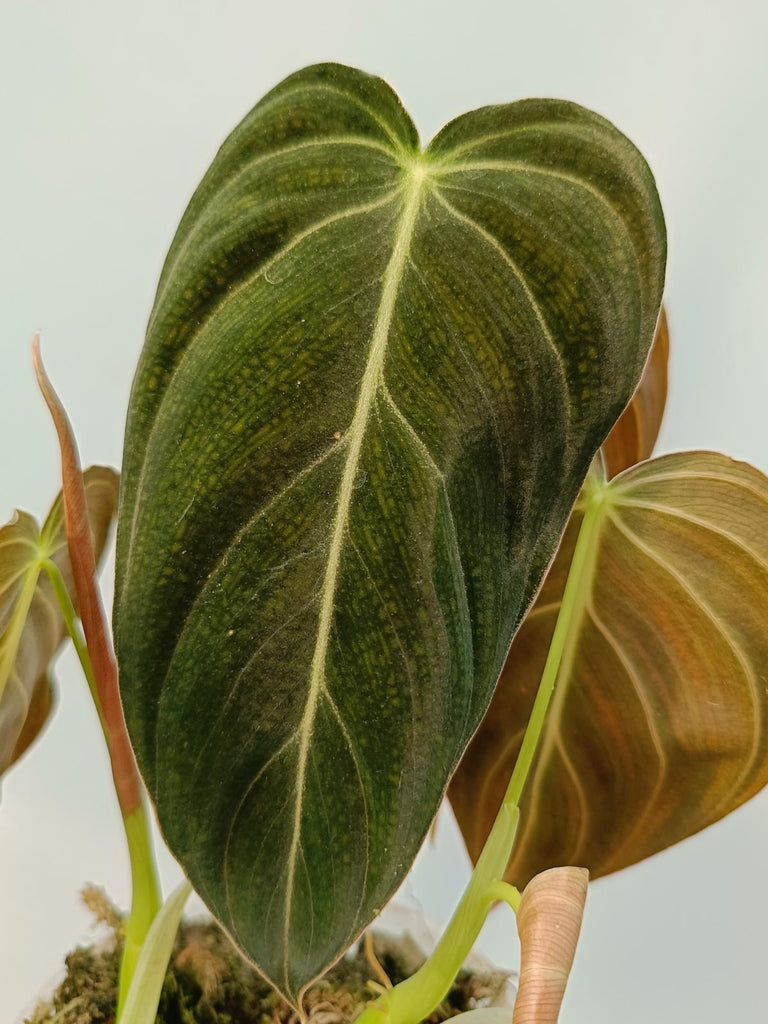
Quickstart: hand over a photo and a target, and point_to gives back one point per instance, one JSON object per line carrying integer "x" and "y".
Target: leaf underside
{"x": 373, "y": 382}
{"x": 31, "y": 626}
{"x": 659, "y": 725}
{"x": 633, "y": 436}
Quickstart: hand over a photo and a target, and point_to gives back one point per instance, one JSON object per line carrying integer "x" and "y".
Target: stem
{"x": 145, "y": 895}
{"x": 418, "y": 996}
{"x": 503, "y": 892}
{"x": 563, "y": 639}
{"x": 69, "y": 615}
{"x": 94, "y": 648}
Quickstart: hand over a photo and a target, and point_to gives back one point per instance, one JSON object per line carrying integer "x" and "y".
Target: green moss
{"x": 208, "y": 982}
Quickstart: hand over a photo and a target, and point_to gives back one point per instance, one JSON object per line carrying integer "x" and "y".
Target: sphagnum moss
{"x": 208, "y": 982}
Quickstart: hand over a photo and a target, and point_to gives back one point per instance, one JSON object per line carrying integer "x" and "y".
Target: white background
{"x": 110, "y": 114}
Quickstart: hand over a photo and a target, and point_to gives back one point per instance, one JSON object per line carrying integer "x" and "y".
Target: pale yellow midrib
{"x": 11, "y": 637}
{"x": 355, "y": 435}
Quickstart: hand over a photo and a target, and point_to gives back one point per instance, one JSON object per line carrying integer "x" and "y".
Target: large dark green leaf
{"x": 658, "y": 726}
{"x": 373, "y": 382}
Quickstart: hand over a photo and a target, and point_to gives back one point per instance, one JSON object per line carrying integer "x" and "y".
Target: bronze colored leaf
{"x": 658, "y": 724}
{"x": 548, "y": 922}
{"x": 31, "y": 627}
{"x": 632, "y": 438}
{"x": 40, "y": 708}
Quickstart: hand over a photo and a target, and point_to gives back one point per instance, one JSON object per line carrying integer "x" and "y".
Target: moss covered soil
{"x": 208, "y": 981}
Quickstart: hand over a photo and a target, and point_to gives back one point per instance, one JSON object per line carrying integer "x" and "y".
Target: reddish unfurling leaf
{"x": 83, "y": 561}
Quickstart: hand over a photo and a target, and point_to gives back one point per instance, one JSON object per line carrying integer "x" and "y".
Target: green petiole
{"x": 145, "y": 895}
{"x": 563, "y": 645}
{"x": 418, "y": 996}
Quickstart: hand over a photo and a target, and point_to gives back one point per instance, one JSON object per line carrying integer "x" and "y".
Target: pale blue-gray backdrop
{"x": 109, "y": 115}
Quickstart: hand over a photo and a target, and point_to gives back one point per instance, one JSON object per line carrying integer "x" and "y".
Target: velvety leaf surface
{"x": 633, "y": 436}
{"x": 658, "y": 723}
{"x": 31, "y": 626}
{"x": 373, "y": 382}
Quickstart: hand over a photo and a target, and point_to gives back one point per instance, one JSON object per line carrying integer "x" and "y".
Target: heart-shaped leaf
{"x": 634, "y": 434}
{"x": 31, "y": 626}
{"x": 658, "y": 724}
{"x": 373, "y": 382}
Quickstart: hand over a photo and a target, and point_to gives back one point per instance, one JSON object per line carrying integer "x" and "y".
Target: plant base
{"x": 208, "y": 982}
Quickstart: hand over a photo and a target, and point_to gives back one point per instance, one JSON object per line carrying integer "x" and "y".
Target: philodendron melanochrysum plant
{"x": 366, "y": 453}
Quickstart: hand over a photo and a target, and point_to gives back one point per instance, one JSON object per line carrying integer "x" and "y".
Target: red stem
{"x": 83, "y": 560}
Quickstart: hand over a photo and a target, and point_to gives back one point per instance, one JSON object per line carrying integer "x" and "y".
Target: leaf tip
{"x": 52, "y": 400}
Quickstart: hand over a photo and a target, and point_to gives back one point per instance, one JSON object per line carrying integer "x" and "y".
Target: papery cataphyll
{"x": 389, "y": 528}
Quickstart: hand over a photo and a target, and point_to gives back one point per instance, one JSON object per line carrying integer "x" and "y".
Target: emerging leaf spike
{"x": 549, "y": 922}
{"x": 83, "y": 560}
{"x": 101, "y": 670}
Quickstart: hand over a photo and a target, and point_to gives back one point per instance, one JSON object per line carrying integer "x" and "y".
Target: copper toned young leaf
{"x": 31, "y": 626}
{"x": 633, "y": 436}
{"x": 658, "y": 723}
{"x": 40, "y": 708}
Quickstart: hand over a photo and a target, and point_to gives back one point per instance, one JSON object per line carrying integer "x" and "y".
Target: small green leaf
{"x": 147, "y": 984}
{"x": 373, "y": 382}
{"x": 31, "y": 626}
{"x": 658, "y": 724}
